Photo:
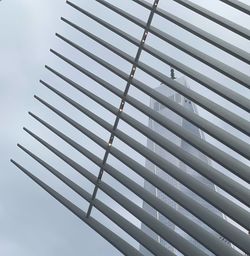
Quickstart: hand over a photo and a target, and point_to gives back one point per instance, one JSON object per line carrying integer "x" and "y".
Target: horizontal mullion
{"x": 166, "y": 233}
{"x": 214, "y": 40}
{"x": 136, "y": 211}
{"x": 208, "y": 171}
{"x": 119, "y": 243}
{"x": 190, "y": 227}
{"x": 227, "y": 230}
{"x": 207, "y": 82}
{"x": 223, "y": 68}
{"x": 242, "y": 31}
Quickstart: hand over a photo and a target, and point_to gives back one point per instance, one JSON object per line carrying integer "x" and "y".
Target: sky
{"x": 31, "y": 221}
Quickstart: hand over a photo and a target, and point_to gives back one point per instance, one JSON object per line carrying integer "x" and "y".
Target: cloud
{"x": 31, "y": 222}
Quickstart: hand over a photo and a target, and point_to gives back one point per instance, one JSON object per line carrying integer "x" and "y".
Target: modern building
{"x": 168, "y": 92}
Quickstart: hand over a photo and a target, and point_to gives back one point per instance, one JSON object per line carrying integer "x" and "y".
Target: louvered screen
{"x": 169, "y": 166}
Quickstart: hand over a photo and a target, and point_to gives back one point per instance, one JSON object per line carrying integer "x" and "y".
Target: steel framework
{"x": 234, "y": 188}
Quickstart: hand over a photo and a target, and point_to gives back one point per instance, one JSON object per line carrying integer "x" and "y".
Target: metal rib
{"x": 201, "y": 56}
{"x": 214, "y": 86}
{"x": 206, "y": 214}
{"x": 214, "y": 63}
{"x": 221, "y": 135}
{"x": 218, "y": 42}
{"x": 208, "y": 171}
{"x": 196, "y": 232}
{"x": 169, "y": 235}
{"x": 216, "y": 109}
{"x": 242, "y": 31}
{"x": 244, "y": 125}
{"x": 243, "y": 196}
{"x": 238, "y": 5}
{"x": 220, "y": 225}
{"x": 110, "y": 236}
{"x": 205, "y": 147}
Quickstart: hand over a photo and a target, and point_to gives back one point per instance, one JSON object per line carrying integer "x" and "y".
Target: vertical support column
{"x": 123, "y": 101}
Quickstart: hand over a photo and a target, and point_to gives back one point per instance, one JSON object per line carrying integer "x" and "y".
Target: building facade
{"x": 186, "y": 103}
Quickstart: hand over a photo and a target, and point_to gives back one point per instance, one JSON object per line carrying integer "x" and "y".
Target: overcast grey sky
{"x": 31, "y": 222}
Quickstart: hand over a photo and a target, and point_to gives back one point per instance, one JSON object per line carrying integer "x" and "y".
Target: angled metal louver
{"x": 199, "y": 228}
